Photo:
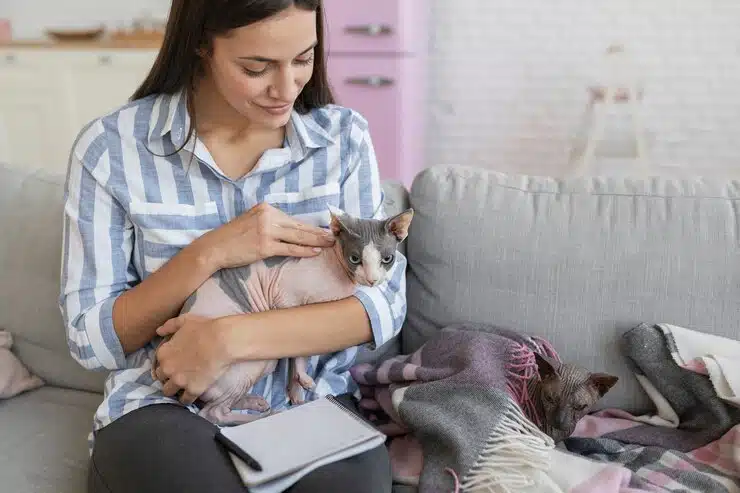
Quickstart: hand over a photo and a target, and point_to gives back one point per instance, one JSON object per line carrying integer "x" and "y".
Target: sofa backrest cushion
{"x": 30, "y": 261}
{"x": 577, "y": 262}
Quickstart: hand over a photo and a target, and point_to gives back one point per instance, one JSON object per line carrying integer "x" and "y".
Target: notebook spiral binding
{"x": 360, "y": 419}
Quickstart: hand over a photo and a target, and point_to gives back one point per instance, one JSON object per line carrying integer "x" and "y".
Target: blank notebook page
{"x": 289, "y": 440}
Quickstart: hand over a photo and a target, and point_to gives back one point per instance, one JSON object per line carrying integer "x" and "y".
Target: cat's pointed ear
{"x": 338, "y": 220}
{"x": 544, "y": 367}
{"x": 602, "y": 382}
{"x": 398, "y": 225}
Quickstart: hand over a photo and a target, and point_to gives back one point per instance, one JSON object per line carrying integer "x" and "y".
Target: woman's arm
{"x": 139, "y": 311}
{"x": 108, "y": 311}
{"x": 96, "y": 251}
{"x": 307, "y": 330}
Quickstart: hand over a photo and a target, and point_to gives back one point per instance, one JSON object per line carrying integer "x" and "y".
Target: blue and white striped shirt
{"x": 128, "y": 210}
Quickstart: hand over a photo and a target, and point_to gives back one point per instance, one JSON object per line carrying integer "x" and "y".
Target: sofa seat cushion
{"x": 44, "y": 440}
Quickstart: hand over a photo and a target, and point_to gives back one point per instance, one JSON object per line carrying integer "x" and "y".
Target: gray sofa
{"x": 577, "y": 262}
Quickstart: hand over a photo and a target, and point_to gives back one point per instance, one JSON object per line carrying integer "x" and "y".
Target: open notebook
{"x": 290, "y": 444}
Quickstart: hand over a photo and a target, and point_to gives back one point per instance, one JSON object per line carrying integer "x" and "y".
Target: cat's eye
{"x": 581, "y": 407}
{"x": 387, "y": 259}
{"x": 354, "y": 259}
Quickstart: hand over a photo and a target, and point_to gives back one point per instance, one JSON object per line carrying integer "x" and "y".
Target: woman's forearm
{"x": 139, "y": 311}
{"x": 306, "y": 330}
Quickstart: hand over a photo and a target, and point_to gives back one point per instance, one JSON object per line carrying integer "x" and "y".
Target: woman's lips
{"x": 277, "y": 110}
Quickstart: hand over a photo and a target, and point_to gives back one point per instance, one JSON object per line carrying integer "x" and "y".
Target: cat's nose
{"x": 373, "y": 281}
{"x": 562, "y": 421}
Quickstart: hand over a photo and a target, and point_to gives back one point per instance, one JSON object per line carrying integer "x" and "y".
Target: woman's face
{"x": 260, "y": 69}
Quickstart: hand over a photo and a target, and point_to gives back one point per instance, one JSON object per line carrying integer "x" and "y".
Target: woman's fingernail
{"x": 317, "y": 249}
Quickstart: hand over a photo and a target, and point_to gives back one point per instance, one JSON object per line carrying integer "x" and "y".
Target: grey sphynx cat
{"x": 364, "y": 252}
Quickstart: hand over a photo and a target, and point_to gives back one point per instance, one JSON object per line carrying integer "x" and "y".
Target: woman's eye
{"x": 354, "y": 259}
{"x": 387, "y": 259}
{"x": 304, "y": 61}
{"x": 254, "y": 73}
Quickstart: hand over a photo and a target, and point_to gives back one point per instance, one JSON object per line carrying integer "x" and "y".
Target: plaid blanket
{"x": 454, "y": 408}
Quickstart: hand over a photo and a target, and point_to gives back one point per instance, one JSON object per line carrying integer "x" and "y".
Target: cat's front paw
{"x": 305, "y": 381}
{"x": 295, "y": 393}
{"x": 260, "y": 405}
{"x": 252, "y": 403}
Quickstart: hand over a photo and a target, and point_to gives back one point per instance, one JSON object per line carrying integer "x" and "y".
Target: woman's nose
{"x": 285, "y": 87}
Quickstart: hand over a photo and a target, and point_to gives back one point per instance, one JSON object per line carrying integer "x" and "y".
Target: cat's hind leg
{"x": 251, "y": 402}
{"x": 299, "y": 380}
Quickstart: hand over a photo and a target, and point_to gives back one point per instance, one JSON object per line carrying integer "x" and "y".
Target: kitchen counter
{"x": 98, "y": 44}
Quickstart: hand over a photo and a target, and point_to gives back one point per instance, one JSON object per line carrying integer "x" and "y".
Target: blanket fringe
{"x": 513, "y": 449}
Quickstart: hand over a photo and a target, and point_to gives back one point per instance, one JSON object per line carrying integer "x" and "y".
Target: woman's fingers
{"x": 170, "y": 326}
{"x": 292, "y": 250}
{"x": 306, "y": 227}
{"x": 313, "y": 237}
{"x": 170, "y": 388}
{"x": 187, "y": 398}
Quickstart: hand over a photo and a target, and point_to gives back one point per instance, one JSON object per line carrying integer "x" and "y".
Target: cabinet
{"x": 376, "y": 59}
{"x": 119, "y": 73}
{"x": 24, "y": 103}
{"x": 48, "y": 94}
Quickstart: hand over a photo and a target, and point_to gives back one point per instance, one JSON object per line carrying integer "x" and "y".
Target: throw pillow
{"x": 14, "y": 376}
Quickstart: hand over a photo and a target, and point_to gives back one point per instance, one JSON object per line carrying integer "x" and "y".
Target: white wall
{"x": 508, "y": 77}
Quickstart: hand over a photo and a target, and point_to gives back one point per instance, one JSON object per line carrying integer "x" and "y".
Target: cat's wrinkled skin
{"x": 363, "y": 254}
{"x": 564, "y": 393}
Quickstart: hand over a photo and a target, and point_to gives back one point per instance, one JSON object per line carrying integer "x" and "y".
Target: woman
{"x": 228, "y": 153}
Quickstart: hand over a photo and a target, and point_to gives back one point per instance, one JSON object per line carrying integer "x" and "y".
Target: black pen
{"x": 238, "y": 451}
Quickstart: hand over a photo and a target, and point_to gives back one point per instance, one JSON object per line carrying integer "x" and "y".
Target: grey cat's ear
{"x": 545, "y": 367}
{"x": 398, "y": 225}
{"x": 602, "y": 382}
{"x": 339, "y": 220}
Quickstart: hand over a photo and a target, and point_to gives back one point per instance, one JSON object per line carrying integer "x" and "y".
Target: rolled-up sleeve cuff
{"x": 380, "y": 315}
{"x": 104, "y": 342}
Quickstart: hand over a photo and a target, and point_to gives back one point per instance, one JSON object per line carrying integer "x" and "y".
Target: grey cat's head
{"x": 568, "y": 392}
{"x": 369, "y": 245}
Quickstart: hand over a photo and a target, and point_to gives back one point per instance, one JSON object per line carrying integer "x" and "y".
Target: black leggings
{"x": 165, "y": 448}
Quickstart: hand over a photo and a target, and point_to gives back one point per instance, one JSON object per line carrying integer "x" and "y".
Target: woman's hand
{"x": 262, "y": 232}
{"x": 193, "y": 358}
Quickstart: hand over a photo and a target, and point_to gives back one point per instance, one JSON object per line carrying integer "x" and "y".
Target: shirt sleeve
{"x": 362, "y": 195}
{"x": 96, "y": 252}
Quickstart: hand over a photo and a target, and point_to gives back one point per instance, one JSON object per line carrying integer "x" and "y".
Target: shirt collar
{"x": 303, "y": 132}
{"x": 307, "y": 132}
{"x": 170, "y": 115}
